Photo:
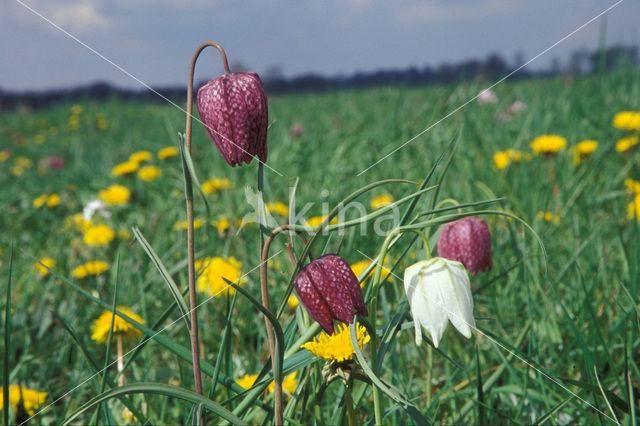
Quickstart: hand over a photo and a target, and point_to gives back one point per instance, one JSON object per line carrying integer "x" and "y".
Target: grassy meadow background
{"x": 561, "y": 341}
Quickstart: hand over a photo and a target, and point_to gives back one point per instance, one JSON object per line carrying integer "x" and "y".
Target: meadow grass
{"x": 559, "y": 340}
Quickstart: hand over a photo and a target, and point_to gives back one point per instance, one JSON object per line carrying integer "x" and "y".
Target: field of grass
{"x": 558, "y": 337}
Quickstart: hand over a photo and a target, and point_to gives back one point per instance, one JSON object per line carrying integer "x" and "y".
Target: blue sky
{"x": 154, "y": 39}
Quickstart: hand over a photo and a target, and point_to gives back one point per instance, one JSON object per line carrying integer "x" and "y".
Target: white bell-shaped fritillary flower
{"x": 439, "y": 291}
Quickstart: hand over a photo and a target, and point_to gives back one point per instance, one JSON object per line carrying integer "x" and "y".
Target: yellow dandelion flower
{"x": 40, "y": 201}
{"x": 140, "y": 156}
{"x": 30, "y": 399}
{"x": 214, "y": 185}
{"x": 317, "y": 220}
{"x": 149, "y": 173}
{"x": 627, "y": 120}
{"x": 548, "y": 144}
{"x": 115, "y": 195}
{"x": 222, "y": 225}
{"x": 98, "y": 235}
{"x": 278, "y": 208}
{"x": 293, "y": 302}
{"x": 53, "y": 200}
{"x": 359, "y": 267}
{"x": 101, "y": 326}
{"x": 38, "y": 139}
{"x": 548, "y": 217}
{"x": 23, "y": 162}
{"x": 288, "y": 384}
{"x": 80, "y": 223}
{"x": 337, "y": 346}
{"x": 247, "y": 381}
{"x": 77, "y": 109}
{"x": 128, "y": 416}
{"x": 212, "y": 270}
{"x": 95, "y": 267}
{"x": 633, "y": 209}
{"x": 501, "y": 160}
{"x": 125, "y": 168}
{"x": 625, "y": 143}
{"x": 182, "y": 225}
{"x": 73, "y": 123}
{"x": 4, "y": 155}
{"x": 102, "y": 123}
{"x": 42, "y": 270}
{"x": 583, "y": 150}
{"x": 16, "y": 171}
{"x": 168, "y": 152}
{"x": 633, "y": 186}
{"x": 382, "y": 201}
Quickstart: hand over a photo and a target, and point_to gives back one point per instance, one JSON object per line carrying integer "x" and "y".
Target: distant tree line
{"x": 494, "y": 67}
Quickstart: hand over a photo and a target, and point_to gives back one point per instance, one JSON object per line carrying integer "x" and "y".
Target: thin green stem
{"x": 348, "y": 399}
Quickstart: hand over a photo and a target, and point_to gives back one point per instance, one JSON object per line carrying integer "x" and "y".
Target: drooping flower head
{"x": 438, "y": 291}
{"x": 234, "y": 110}
{"x": 328, "y": 289}
{"x": 468, "y": 241}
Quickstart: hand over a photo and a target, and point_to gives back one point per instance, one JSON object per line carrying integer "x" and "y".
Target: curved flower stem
{"x": 265, "y": 302}
{"x": 193, "y": 302}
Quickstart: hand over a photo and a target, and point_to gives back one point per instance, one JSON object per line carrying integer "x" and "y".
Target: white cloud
{"x": 79, "y": 17}
{"x": 429, "y": 11}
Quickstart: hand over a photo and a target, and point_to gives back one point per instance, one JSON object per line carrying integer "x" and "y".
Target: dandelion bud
{"x": 328, "y": 289}
{"x": 469, "y": 242}
{"x": 233, "y": 108}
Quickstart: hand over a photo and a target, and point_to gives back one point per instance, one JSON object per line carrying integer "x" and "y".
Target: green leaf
{"x": 388, "y": 389}
{"x": 546, "y": 416}
{"x": 190, "y": 176}
{"x": 158, "y": 389}
{"x": 96, "y": 370}
{"x": 166, "y": 276}
{"x": 276, "y": 326}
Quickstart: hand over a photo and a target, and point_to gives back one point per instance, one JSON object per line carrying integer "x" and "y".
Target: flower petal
{"x": 457, "y": 298}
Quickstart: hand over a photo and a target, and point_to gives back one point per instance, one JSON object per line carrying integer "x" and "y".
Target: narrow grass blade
{"x": 274, "y": 322}
{"x": 632, "y": 413}
{"x": 387, "y": 389}
{"x": 95, "y": 369}
{"x": 158, "y": 389}
{"x": 606, "y": 400}
{"x": 223, "y": 347}
{"x": 180, "y": 351}
{"x": 333, "y": 213}
{"x": 190, "y": 176}
{"x": 166, "y": 276}
{"x": 546, "y": 416}
{"x": 482, "y": 413}
{"x": 7, "y": 341}
{"x": 107, "y": 354}
{"x": 414, "y": 202}
{"x": 390, "y": 332}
